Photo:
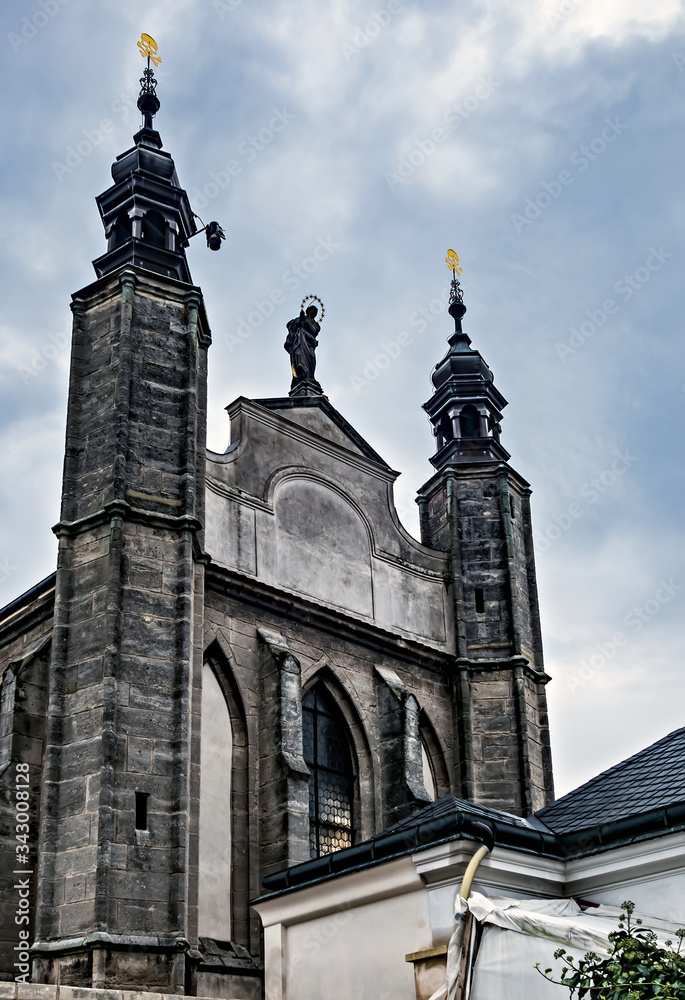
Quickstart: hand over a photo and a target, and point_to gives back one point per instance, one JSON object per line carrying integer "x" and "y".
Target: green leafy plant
{"x": 636, "y": 968}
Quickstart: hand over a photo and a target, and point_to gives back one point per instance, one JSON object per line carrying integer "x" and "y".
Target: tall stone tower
{"x": 115, "y": 899}
{"x": 477, "y": 508}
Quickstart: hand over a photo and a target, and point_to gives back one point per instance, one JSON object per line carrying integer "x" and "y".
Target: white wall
{"x": 357, "y": 953}
{"x": 662, "y": 897}
{"x": 347, "y": 938}
{"x": 650, "y": 873}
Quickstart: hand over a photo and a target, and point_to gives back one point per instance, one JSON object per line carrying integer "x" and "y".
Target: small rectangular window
{"x": 141, "y": 810}
{"x": 512, "y": 506}
{"x": 480, "y": 602}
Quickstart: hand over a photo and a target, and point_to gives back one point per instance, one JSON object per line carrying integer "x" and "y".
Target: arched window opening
{"x": 470, "y": 422}
{"x": 154, "y": 229}
{"x": 428, "y": 776}
{"x": 327, "y": 755}
{"x": 444, "y": 432}
{"x": 122, "y": 229}
{"x": 216, "y": 759}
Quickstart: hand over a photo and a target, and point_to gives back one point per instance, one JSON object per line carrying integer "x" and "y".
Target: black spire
{"x": 465, "y": 409}
{"x": 146, "y": 213}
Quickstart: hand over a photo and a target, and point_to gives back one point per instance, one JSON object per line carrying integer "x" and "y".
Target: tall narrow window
{"x": 327, "y": 754}
{"x": 216, "y": 764}
{"x": 480, "y": 601}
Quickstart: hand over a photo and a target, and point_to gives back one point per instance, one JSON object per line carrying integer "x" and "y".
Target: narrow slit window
{"x": 480, "y": 602}
{"x": 141, "y": 810}
{"x": 512, "y": 506}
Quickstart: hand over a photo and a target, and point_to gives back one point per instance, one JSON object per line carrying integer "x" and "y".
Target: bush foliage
{"x": 637, "y": 967}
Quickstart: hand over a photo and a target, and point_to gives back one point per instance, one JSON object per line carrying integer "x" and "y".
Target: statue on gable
{"x": 301, "y": 343}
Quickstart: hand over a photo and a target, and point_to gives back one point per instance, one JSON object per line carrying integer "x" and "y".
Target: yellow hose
{"x": 472, "y": 867}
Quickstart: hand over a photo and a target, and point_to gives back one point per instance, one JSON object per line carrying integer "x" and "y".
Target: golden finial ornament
{"x": 148, "y": 102}
{"x": 452, "y": 261}
{"x": 148, "y": 49}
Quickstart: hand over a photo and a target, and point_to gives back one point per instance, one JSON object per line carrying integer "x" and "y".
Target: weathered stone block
{"x": 139, "y": 754}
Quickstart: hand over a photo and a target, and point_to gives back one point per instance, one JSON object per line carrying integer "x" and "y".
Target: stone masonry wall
{"x": 348, "y": 669}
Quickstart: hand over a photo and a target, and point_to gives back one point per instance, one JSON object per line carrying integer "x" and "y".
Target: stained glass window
{"x": 327, "y": 754}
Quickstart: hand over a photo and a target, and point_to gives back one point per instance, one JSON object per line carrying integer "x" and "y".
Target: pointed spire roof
{"x": 465, "y": 408}
{"x": 146, "y": 213}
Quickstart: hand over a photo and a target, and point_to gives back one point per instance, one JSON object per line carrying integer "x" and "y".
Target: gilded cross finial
{"x": 452, "y": 261}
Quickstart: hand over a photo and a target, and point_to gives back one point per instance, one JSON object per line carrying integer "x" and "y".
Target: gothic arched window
{"x": 327, "y": 755}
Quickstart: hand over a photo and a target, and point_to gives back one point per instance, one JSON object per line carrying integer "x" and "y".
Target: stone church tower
{"x": 244, "y": 660}
{"x": 477, "y": 508}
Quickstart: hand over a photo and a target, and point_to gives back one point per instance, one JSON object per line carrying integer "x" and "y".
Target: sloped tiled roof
{"x": 651, "y": 779}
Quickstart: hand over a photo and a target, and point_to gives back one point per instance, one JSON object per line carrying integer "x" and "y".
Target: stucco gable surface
{"x": 316, "y": 413}
{"x": 301, "y": 505}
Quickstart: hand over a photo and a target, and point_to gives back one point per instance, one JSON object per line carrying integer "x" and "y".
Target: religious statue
{"x": 301, "y": 343}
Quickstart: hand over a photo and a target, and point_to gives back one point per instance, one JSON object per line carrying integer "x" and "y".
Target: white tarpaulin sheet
{"x": 518, "y": 933}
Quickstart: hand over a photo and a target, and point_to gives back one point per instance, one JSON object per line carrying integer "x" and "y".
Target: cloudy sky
{"x": 544, "y": 140}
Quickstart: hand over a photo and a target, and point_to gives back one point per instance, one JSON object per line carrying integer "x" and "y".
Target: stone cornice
{"x": 334, "y": 622}
{"x": 119, "y": 508}
{"x": 506, "y": 663}
{"x": 156, "y": 286}
{"x": 480, "y": 470}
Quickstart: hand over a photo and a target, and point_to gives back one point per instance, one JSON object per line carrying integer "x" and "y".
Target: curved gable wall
{"x": 295, "y": 509}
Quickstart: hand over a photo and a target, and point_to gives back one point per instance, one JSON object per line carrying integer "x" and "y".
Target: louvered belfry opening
{"x": 327, "y": 754}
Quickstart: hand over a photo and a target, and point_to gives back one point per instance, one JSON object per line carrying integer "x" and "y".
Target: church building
{"x": 244, "y": 663}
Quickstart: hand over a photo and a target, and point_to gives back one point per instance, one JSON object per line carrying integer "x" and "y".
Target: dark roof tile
{"x": 651, "y": 779}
